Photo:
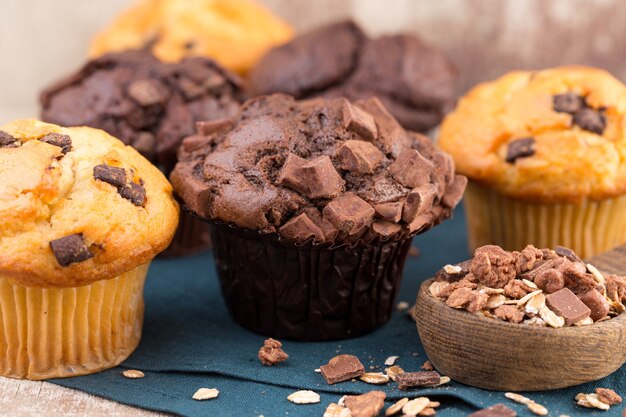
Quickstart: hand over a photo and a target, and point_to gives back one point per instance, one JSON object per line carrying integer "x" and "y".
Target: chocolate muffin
{"x": 150, "y": 105}
{"x": 313, "y": 202}
{"x": 415, "y": 82}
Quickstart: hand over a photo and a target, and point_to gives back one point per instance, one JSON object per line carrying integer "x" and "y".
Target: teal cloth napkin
{"x": 190, "y": 342}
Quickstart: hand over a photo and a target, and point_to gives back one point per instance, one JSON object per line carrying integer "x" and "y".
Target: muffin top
{"x": 144, "y": 102}
{"x": 414, "y": 82}
{"x": 236, "y": 33}
{"x": 555, "y": 135}
{"x": 321, "y": 169}
{"x": 77, "y": 206}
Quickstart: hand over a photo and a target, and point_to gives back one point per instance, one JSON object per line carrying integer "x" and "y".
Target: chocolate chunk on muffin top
{"x": 414, "y": 81}
{"x": 318, "y": 169}
{"x": 146, "y": 103}
{"x": 550, "y": 136}
{"x": 77, "y": 206}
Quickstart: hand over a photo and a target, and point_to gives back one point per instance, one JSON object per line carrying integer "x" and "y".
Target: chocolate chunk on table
{"x": 134, "y": 192}
{"x": 498, "y": 410}
{"x": 520, "y": 148}
{"x": 57, "y": 139}
{"x": 342, "y": 368}
{"x": 591, "y": 120}
{"x": 565, "y": 303}
{"x": 110, "y": 174}
{"x": 418, "y": 379}
{"x": 70, "y": 249}
{"x": 568, "y": 103}
{"x": 7, "y": 141}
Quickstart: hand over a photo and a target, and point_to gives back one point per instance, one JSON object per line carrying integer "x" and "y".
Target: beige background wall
{"x": 41, "y": 40}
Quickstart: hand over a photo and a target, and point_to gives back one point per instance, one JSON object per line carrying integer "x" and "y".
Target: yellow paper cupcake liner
{"x": 588, "y": 228}
{"x": 62, "y": 332}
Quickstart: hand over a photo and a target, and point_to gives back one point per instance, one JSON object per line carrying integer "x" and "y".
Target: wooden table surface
{"x": 20, "y": 398}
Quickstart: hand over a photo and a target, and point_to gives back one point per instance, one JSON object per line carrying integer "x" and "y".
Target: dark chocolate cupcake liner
{"x": 309, "y": 291}
{"x": 192, "y": 236}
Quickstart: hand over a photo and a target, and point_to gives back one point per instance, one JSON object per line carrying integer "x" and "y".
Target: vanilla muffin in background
{"x": 544, "y": 152}
{"x": 236, "y": 33}
{"x": 81, "y": 217}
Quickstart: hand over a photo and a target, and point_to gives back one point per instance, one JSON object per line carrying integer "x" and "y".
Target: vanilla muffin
{"x": 81, "y": 217}
{"x": 236, "y": 33}
{"x": 544, "y": 152}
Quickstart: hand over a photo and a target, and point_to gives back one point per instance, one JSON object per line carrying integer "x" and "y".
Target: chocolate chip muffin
{"x": 149, "y": 105}
{"x": 297, "y": 191}
{"x": 236, "y": 33}
{"x": 544, "y": 152}
{"x": 415, "y": 82}
{"x": 82, "y": 216}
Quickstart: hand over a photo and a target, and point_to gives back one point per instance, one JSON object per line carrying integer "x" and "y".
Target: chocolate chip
{"x": 57, "y": 139}
{"x": 411, "y": 169}
{"x": 386, "y": 229}
{"x": 70, "y": 249}
{"x": 301, "y": 228}
{"x": 591, "y": 120}
{"x": 342, "y": 368}
{"x": 418, "y": 201}
{"x": 520, "y": 148}
{"x": 349, "y": 213}
{"x": 567, "y": 253}
{"x": 359, "y": 156}
{"x": 146, "y": 92}
{"x": 317, "y": 178}
{"x": 568, "y": 103}
{"x": 418, "y": 379}
{"x": 209, "y": 127}
{"x": 110, "y": 174}
{"x": 454, "y": 191}
{"x": 391, "y": 212}
{"x": 359, "y": 121}
{"x": 498, "y": 410}
{"x": 7, "y": 141}
{"x": 134, "y": 192}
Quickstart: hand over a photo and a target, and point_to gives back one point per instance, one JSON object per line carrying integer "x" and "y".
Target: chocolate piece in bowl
{"x": 304, "y": 192}
{"x": 553, "y": 311}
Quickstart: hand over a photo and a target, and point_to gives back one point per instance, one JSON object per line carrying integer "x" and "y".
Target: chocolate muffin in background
{"x": 416, "y": 83}
{"x": 313, "y": 203}
{"x": 150, "y": 105}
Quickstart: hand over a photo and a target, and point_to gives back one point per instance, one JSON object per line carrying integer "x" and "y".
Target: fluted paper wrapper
{"x": 588, "y": 228}
{"x": 307, "y": 292}
{"x": 62, "y": 332}
{"x": 192, "y": 236}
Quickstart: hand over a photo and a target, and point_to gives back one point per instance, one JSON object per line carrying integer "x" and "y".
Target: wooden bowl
{"x": 498, "y": 355}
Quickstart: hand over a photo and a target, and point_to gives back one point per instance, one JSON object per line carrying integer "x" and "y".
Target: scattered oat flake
{"x": 517, "y": 398}
{"x": 393, "y": 372}
{"x": 133, "y": 374}
{"x": 374, "y": 378}
{"x": 395, "y": 408}
{"x": 391, "y": 360}
{"x": 538, "y": 409}
{"x": 427, "y": 412}
{"x": 204, "y": 394}
{"x": 402, "y": 305}
{"x": 427, "y": 366}
{"x": 527, "y": 297}
{"x": 304, "y": 397}
{"x": 452, "y": 269}
{"x": 342, "y": 400}
{"x": 608, "y": 396}
{"x": 318, "y": 370}
{"x": 335, "y": 410}
{"x": 444, "y": 380}
{"x": 415, "y": 406}
{"x": 597, "y": 275}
